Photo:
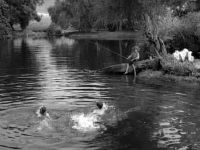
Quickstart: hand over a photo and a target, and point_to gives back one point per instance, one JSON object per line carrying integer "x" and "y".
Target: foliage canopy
{"x": 20, "y": 11}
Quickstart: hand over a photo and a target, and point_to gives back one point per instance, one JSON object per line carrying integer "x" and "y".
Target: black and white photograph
{"x": 99, "y": 74}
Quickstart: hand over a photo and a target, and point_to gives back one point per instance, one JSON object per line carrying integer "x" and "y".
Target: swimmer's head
{"x": 43, "y": 110}
{"x": 99, "y": 105}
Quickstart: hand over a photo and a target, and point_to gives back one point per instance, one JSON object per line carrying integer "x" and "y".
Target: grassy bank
{"x": 160, "y": 75}
{"x": 174, "y": 71}
{"x": 106, "y": 35}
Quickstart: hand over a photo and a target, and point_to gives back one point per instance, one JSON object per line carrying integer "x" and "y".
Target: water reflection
{"x": 147, "y": 114}
{"x": 133, "y": 131}
{"x": 63, "y": 41}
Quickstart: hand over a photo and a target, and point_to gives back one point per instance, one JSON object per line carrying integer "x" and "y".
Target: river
{"x": 60, "y": 74}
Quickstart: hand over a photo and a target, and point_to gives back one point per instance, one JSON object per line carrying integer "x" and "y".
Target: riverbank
{"x": 103, "y": 35}
{"x": 160, "y": 75}
{"x": 106, "y": 35}
{"x": 167, "y": 69}
{"x": 174, "y": 71}
{"x": 29, "y": 33}
{"x": 19, "y": 34}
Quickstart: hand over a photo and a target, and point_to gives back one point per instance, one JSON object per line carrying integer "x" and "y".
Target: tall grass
{"x": 174, "y": 67}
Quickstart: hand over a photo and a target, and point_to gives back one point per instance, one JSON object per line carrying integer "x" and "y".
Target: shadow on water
{"x": 132, "y": 132}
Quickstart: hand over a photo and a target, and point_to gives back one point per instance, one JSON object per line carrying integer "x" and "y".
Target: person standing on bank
{"x": 134, "y": 56}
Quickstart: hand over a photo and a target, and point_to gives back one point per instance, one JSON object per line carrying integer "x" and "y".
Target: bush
{"x": 168, "y": 24}
{"x": 171, "y": 66}
{"x": 180, "y": 32}
{"x": 54, "y": 30}
{"x": 186, "y": 35}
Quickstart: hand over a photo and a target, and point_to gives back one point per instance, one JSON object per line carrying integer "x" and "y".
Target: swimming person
{"x": 102, "y": 107}
{"x": 44, "y": 117}
{"x": 42, "y": 112}
{"x": 134, "y": 56}
{"x": 99, "y": 105}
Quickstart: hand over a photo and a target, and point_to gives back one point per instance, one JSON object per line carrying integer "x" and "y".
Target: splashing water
{"x": 44, "y": 124}
{"x": 85, "y": 123}
{"x": 89, "y": 122}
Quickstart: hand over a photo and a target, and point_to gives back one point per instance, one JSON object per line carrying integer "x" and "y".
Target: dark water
{"x": 57, "y": 73}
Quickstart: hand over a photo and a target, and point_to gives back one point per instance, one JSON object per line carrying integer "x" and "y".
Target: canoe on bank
{"x": 140, "y": 66}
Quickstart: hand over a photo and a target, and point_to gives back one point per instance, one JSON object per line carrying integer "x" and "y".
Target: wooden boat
{"x": 140, "y": 65}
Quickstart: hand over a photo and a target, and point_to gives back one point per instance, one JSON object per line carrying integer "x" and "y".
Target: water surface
{"x": 58, "y": 73}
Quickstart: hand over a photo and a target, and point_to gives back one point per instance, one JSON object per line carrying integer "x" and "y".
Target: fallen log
{"x": 140, "y": 66}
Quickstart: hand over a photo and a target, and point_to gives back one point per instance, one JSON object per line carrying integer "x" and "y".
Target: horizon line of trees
{"x": 116, "y": 15}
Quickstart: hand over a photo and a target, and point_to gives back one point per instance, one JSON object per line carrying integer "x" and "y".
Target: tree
{"x": 76, "y": 12}
{"x": 153, "y": 12}
{"x": 147, "y": 13}
{"x": 118, "y": 13}
{"x": 22, "y": 11}
{"x": 5, "y": 28}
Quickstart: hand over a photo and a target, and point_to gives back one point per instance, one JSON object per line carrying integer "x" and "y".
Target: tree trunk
{"x": 11, "y": 25}
{"x": 120, "y": 51}
{"x": 120, "y": 25}
{"x": 139, "y": 66}
{"x": 151, "y": 33}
